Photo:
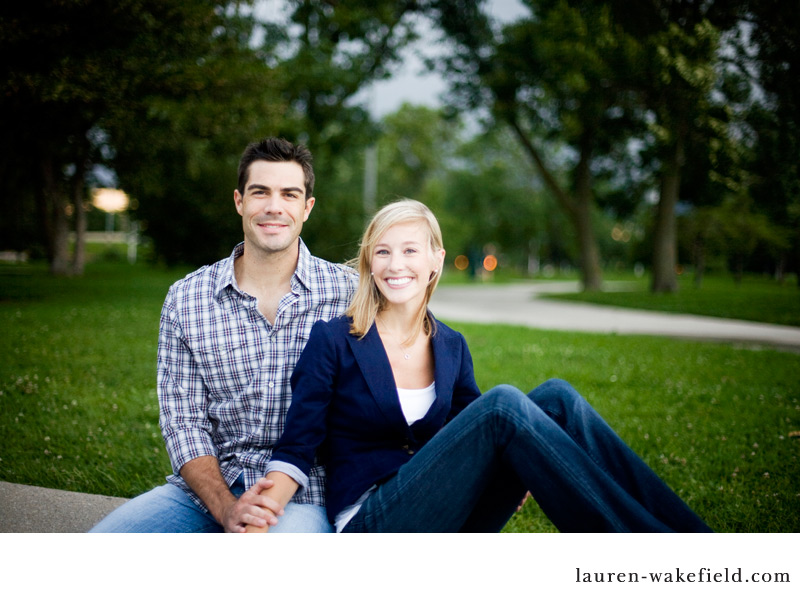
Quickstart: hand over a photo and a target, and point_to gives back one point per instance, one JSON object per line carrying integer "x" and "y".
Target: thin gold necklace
{"x": 406, "y": 355}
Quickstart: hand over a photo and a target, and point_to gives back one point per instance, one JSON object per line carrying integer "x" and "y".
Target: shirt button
{"x": 271, "y": 384}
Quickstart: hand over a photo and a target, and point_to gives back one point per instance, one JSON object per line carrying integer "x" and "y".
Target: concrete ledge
{"x": 31, "y": 509}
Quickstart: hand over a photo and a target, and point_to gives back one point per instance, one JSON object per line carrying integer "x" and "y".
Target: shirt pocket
{"x": 227, "y": 372}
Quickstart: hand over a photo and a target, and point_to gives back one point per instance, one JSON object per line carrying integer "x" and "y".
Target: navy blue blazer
{"x": 345, "y": 403}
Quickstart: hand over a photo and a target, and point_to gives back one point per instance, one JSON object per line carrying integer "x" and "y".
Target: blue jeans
{"x": 473, "y": 474}
{"x": 168, "y": 509}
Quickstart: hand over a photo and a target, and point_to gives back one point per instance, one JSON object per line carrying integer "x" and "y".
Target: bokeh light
{"x": 110, "y": 200}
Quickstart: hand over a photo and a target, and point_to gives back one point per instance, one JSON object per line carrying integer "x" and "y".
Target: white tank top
{"x": 416, "y": 402}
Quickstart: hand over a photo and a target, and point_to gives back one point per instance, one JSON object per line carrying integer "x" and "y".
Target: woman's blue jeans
{"x": 474, "y": 473}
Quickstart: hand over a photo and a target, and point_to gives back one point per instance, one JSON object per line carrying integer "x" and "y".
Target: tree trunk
{"x": 54, "y": 208}
{"x": 664, "y": 249}
{"x": 578, "y": 210}
{"x": 591, "y": 272}
{"x": 665, "y": 256}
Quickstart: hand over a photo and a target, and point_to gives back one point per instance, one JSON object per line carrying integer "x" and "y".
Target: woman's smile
{"x": 399, "y": 282}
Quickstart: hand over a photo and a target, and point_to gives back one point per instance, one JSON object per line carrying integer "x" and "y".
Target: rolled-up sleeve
{"x": 290, "y": 470}
{"x": 182, "y": 395}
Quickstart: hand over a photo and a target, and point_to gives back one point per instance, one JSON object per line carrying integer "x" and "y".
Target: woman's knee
{"x": 556, "y": 394}
{"x": 502, "y": 396}
{"x": 505, "y": 406}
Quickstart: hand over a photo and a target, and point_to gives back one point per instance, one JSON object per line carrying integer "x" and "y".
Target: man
{"x": 229, "y": 338}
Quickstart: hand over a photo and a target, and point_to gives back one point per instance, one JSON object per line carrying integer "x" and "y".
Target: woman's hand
{"x": 281, "y": 489}
{"x": 253, "y": 510}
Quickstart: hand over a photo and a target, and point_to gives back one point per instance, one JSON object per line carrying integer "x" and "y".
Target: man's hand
{"x": 202, "y": 474}
{"x": 253, "y": 508}
{"x": 282, "y": 489}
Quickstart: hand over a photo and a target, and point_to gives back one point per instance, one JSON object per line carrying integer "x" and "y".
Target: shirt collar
{"x": 227, "y": 277}
{"x": 303, "y": 271}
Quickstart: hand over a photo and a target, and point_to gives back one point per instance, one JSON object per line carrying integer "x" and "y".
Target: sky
{"x": 410, "y": 82}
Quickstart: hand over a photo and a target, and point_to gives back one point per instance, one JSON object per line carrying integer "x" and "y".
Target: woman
{"x": 387, "y": 395}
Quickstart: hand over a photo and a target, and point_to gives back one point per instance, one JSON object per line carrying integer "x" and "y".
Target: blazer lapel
{"x": 377, "y": 372}
{"x": 447, "y": 361}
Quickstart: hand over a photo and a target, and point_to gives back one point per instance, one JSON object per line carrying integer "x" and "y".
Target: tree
{"x": 177, "y": 149}
{"x": 414, "y": 147}
{"x": 64, "y": 77}
{"x": 167, "y": 93}
{"x": 729, "y": 74}
{"x": 558, "y": 75}
{"x": 335, "y": 50}
{"x": 677, "y": 72}
{"x": 772, "y": 43}
{"x": 492, "y": 198}
{"x": 679, "y": 98}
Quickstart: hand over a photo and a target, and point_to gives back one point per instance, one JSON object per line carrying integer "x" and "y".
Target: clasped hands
{"x": 253, "y": 511}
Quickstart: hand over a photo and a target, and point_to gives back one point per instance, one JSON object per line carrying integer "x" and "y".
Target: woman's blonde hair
{"x": 368, "y": 300}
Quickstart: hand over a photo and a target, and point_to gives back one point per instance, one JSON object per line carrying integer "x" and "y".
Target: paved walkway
{"x": 42, "y": 510}
{"x": 517, "y": 304}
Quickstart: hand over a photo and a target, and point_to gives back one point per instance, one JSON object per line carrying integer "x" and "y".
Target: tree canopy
{"x": 605, "y": 129}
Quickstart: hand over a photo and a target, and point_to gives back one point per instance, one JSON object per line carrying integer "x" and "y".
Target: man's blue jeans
{"x": 168, "y": 509}
{"x": 473, "y": 474}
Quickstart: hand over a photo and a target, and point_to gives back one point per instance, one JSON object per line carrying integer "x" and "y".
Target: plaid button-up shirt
{"x": 223, "y": 369}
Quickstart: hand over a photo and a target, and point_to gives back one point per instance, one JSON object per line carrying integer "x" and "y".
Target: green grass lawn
{"x": 755, "y": 299}
{"x": 78, "y": 407}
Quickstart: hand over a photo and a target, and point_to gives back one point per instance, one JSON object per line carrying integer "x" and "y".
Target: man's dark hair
{"x": 276, "y": 150}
